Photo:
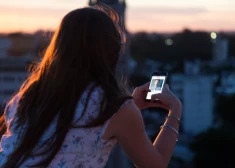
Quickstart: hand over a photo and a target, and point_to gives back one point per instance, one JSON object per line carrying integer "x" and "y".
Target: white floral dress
{"x": 82, "y": 147}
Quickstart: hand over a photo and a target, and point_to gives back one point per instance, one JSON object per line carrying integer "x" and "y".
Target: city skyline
{"x": 149, "y": 15}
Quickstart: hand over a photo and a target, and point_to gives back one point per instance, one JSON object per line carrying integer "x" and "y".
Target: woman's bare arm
{"x": 127, "y": 126}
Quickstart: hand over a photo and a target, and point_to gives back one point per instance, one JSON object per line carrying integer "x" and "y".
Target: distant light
{"x": 213, "y": 35}
{"x": 169, "y": 42}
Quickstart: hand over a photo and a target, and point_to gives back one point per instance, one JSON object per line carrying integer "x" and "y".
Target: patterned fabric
{"x": 82, "y": 147}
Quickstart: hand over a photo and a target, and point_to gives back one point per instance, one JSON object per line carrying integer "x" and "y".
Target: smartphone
{"x": 156, "y": 84}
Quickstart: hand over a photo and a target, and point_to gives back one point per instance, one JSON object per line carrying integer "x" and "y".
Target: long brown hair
{"x": 84, "y": 49}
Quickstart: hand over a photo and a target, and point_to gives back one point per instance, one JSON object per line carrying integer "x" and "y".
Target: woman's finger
{"x": 156, "y": 96}
{"x": 156, "y": 104}
{"x": 145, "y": 87}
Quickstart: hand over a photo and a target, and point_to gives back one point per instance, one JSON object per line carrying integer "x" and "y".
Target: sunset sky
{"x": 141, "y": 15}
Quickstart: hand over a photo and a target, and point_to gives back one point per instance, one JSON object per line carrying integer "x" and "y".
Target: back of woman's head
{"x": 84, "y": 49}
{"x": 87, "y": 43}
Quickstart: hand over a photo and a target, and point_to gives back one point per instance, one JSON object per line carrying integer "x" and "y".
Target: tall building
{"x": 12, "y": 69}
{"x": 197, "y": 96}
{"x": 5, "y": 44}
{"x": 220, "y": 50}
{"x": 16, "y": 52}
{"x": 119, "y": 6}
{"x": 12, "y": 75}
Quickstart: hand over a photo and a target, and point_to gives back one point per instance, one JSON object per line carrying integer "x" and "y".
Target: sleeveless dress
{"x": 82, "y": 147}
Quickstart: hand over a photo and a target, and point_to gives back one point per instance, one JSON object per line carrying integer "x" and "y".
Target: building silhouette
{"x": 220, "y": 50}
{"x": 119, "y": 6}
{"x": 197, "y": 96}
{"x": 12, "y": 75}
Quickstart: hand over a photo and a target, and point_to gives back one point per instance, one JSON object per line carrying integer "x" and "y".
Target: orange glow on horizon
{"x": 18, "y": 19}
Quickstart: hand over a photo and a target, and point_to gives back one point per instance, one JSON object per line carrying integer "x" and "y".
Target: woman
{"x": 72, "y": 110}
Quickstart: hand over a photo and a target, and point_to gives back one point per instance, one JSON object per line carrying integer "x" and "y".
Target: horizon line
{"x": 131, "y": 32}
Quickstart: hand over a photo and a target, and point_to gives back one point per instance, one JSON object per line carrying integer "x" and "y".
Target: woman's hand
{"x": 167, "y": 99}
{"x": 139, "y": 96}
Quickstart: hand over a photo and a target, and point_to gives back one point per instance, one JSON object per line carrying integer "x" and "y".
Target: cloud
{"x": 38, "y": 11}
{"x": 168, "y": 10}
{"x": 41, "y": 11}
{"x": 160, "y": 18}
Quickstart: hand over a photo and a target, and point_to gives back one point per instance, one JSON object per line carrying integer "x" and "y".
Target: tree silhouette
{"x": 214, "y": 148}
{"x": 225, "y": 108}
{"x": 187, "y": 45}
